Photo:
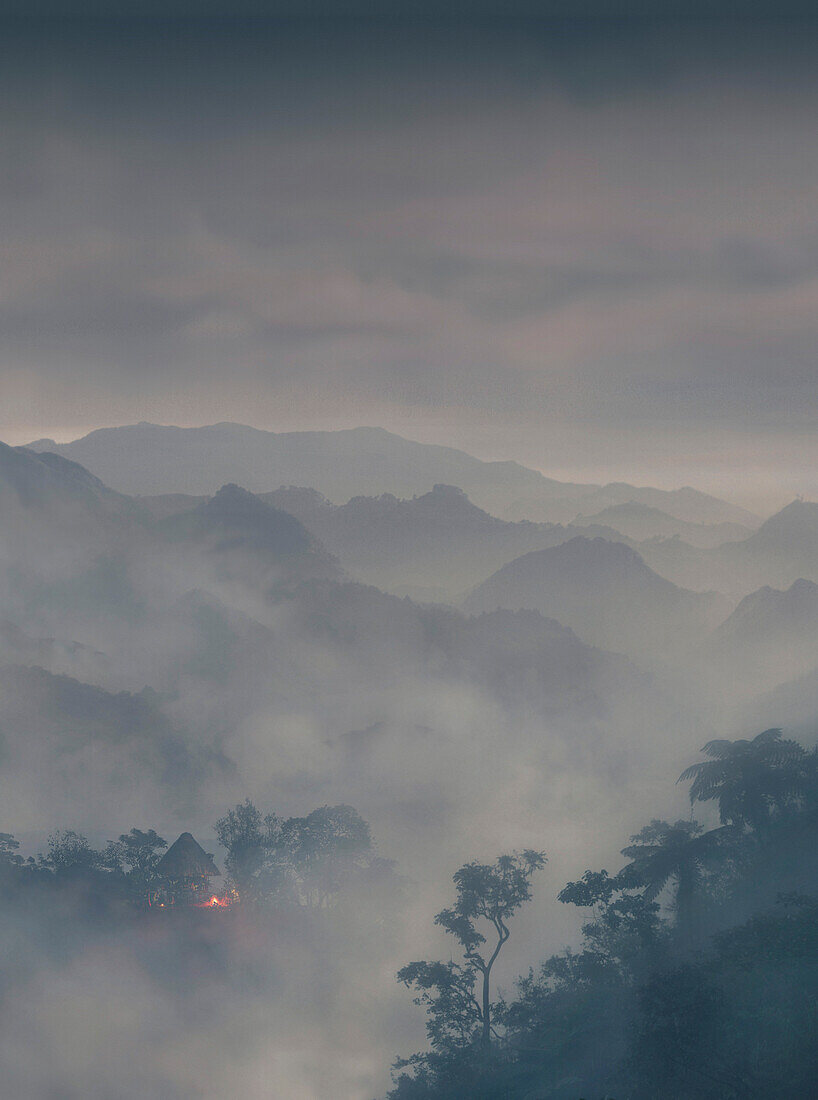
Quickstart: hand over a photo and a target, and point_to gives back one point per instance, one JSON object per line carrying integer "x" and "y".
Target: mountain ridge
{"x": 149, "y": 459}
{"x": 602, "y": 590}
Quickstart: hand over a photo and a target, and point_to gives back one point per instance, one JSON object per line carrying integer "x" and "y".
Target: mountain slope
{"x": 605, "y": 592}
{"x": 770, "y": 638}
{"x": 68, "y": 744}
{"x": 248, "y": 539}
{"x": 782, "y": 550}
{"x": 686, "y": 504}
{"x": 148, "y": 459}
{"x": 642, "y": 521}
{"x": 58, "y": 521}
{"x": 33, "y": 483}
{"x": 439, "y": 542}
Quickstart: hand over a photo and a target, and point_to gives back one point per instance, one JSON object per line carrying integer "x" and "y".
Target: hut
{"x": 185, "y": 871}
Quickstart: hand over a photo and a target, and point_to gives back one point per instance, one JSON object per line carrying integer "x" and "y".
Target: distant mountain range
{"x": 685, "y": 504}
{"x": 261, "y": 625}
{"x": 783, "y": 550}
{"x": 435, "y": 545}
{"x": 641, "y": 521}
{"x": 30, "y": 480}
{"x": 254, "y": 537}
{"x": 211, "y": 638}
{"x": 771, "y": 637}
{"x": 431, "y": 547}
{"x": 606, "y": 593}
{"x": 148, "y": 459}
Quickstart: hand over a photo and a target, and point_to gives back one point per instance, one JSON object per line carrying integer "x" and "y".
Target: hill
{"x": 641, "y": 521}
{"x": 782, "y": 550}
{"x": 91, "y": 744}
{"x": 246, "y": 538}
{"x": 770, "y": 638}
{"x": 606, "y": 593}
{"x": 438, "y": 542}
{"x": 32, "y": 484}
{"x": 686, "y": 504}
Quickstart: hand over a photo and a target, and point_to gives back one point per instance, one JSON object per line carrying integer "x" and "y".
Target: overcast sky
{"x": 590, "y": 245}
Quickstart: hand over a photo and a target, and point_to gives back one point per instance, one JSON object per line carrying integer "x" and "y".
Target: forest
{"x": 695, "y": 974}
{"x": 697, "y": 971}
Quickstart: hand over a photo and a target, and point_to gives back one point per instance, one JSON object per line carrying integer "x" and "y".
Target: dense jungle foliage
{"x": 697, "y": 975}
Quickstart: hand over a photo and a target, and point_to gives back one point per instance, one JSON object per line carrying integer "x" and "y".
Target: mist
{"x": 407, "y": 467}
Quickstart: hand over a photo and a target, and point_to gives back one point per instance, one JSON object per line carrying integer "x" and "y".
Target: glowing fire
{"x": 215, "y": 902}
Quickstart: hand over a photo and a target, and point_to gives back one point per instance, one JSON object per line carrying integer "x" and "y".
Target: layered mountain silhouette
{"x": 437, "y": 544}
{"x": 149, "y": 459}
{"x": 34, "y": 486}
{"x": 605, "y": 592}
{"x": 245, "y": 538}
{"x": 106, "y": 743}
{"x": 770, "y": 638}
{"x": 791, "y": 534}
{"x": 641, "y": 521}
{"x": 782, "y": 550}
{"x": 689, "y": 505}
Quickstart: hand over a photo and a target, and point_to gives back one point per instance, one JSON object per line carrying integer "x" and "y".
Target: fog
{"x": 157, "y": 671}
{"x": 407, "y": 430}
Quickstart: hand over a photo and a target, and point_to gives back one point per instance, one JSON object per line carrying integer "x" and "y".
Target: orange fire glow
{"x": 214, "y": 902}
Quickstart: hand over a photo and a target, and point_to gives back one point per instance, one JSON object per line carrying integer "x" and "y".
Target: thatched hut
{"x": 186, "y": 870}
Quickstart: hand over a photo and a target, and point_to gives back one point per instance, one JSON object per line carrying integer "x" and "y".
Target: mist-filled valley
{"x": 349, "y": 695}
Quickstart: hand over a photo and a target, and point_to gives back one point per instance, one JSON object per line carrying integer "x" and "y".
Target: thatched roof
{"x": 186, "y": 858}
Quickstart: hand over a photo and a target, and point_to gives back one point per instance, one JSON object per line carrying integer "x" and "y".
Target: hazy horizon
{"x": 763, "y": 500}
{"x": 578, "y": 236}
{"x": 583, "y": 243}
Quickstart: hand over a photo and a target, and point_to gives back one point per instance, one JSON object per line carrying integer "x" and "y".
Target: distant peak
{"x": 797, "y": 505}
{"x": 598, "y": 546}
{"x": 231, "y": 491}
{"x": 802, "y": 587}
{"x": 237, "y": 503}
{"x": 444, "y": 493}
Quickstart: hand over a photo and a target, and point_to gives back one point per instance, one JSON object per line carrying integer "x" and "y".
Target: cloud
{"x": 300, "y": 226}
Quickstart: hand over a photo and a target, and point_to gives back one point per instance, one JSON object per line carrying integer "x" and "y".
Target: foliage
{"x": 754, "y": 781}
{"x": 136, "y": 855}
{"x": 71, "y": 856}
{"x": 304, "y": 861}
{"x": 300, "y": 860}
{"x": 459, "y": 1020}
{"x": 657, "y": 1003}
{"x": 249, "y": 839}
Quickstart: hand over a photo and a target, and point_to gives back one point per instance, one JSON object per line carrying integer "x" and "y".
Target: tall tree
{"x": 249, "y": 838}
{"x": 71, "y": 856}
{"x": 753, "y": 781}
{"x": 661, "y": 853}
{"x": 488, "y": 895}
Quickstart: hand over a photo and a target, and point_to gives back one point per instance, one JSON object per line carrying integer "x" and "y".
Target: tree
{"x": 324, "y": 849}
{"x": 303, "y": 860}
{"x": 249, "y": 839}
{"x": 753, "y": 781}
{"x": 136, "y": 855}
{"x": 626, "y": 933}
{"x": 661, "y": 853}
{"x": 70, "y": 855}
{"x": 11, "y": 861}
{"x": 8, "y": 851}
{"x": 487, "y": 896}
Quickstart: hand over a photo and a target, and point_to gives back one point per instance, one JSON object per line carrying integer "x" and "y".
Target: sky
{"x": 585, "y": 241}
